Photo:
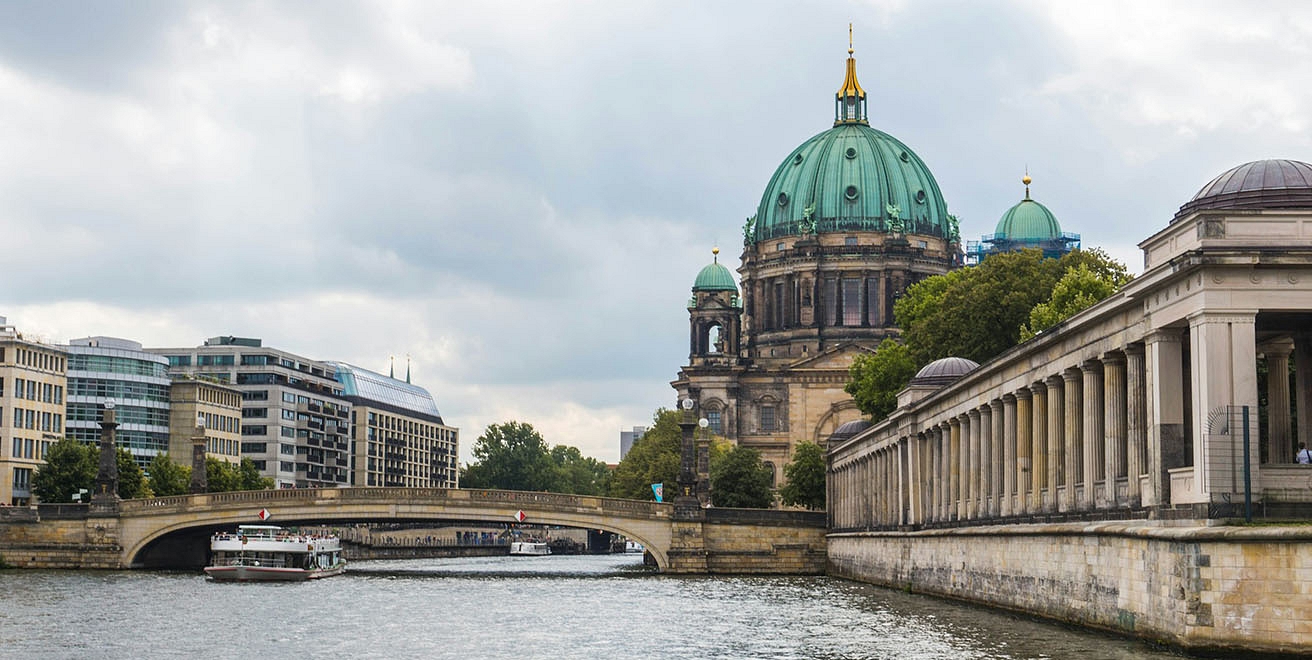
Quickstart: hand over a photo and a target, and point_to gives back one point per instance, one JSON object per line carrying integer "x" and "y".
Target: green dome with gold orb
{"x": 1028, "y": 221}
{"x": 851, "y": 178}
{"x": 715, "y": 277}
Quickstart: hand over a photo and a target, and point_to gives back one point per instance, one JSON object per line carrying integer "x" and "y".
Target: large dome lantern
{"x": 851, "y": 178}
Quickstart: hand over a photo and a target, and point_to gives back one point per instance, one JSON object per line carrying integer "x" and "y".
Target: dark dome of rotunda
{"x": 848, "y": 430}
{"x": 944, "y": 371}
{"x": 1261, "y": 184}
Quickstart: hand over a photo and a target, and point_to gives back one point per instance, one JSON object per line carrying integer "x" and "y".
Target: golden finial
{"x": 715, "y": 252}
{"x": 849, "y": 39}
{"x": 1026, "y": 180}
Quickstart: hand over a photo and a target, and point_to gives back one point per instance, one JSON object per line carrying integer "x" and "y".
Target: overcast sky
{"x": 519, "y": 195}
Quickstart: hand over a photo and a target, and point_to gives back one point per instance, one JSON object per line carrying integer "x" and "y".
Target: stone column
{"x": 1303, "y": 386}
{"x": 941, "y": 506}
{"x": 954, "y": 497}
{"x": 1092, "y": 434}
{"x": 976, "y": 479}
{"x": 1113, "y": 381}
{"x": 1136, "y": 432}
{"x": 1056, "y": 441}
{"x": 1164, "y": 378}
{"x": 995, "y": 457}
{"x": 1223, "y": 360}
{"x": 985, "y": 458}
{"x": 1039, "y": 446}
{"x": 1008, "y": 455}
{"x": 1024, "y": 438}
{"x": 1280, "y": 448}
{"x": 913, "y": 479}
{"x": 946, "y": 466}
{"x": 1072, "y": 439}
{"x": 963, "y": 499}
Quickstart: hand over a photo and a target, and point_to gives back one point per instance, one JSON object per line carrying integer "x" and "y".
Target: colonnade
{"x": 1071, "y": 441}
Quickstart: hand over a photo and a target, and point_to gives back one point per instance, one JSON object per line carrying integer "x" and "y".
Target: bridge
{"x": 172, "y": 530}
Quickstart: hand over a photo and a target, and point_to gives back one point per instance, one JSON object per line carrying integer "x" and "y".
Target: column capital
{"x": 1164, "y": 336}
{"x": 1072, "y": 375}
{"x": 1135, "y": 349}
{"x": 1038, "y": 387}
{"x": 954, "y": 421}
{"x": 1053, "y": 382}
{"x": 1276, "y": 348}
{"x": 974, "y": 414}
{"x": 1203, "y": 317}
{"x": 995, "y": 405}
{"x": 1009, "y": 399}
{"x": 1022, "y": 393}
{"x": 1113, "y": 358}
{"x": 1091, "y": 365}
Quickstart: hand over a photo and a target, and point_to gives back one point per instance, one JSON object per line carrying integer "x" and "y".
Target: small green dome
{"x": 846, "y": 179}
{"x": 1028, "y": 221}
{"x": 715, "y": 277}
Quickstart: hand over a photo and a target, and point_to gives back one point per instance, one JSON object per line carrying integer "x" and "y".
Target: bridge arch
{"x": 145, "y": 522}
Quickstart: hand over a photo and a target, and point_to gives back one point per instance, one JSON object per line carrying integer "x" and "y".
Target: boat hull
{"x": 269, "y": 574}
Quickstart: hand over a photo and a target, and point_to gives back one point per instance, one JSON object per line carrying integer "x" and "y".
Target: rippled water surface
{"x": 504, "y": 607}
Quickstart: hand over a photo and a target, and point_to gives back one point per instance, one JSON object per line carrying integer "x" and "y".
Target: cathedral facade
{"x": 848, "y": 221}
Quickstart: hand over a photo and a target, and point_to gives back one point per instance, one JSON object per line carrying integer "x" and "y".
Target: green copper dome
{"x": 715, "y": 277}
{"x": 851, "y": 178}
{"x": 1028, "y": 221}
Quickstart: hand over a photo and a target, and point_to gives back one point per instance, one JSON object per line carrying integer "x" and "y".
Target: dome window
{"x": 920, "y": 197}
{"x": 851, "y": 192}
{"x": 904, "y": 157}
{"x": 797, "y": 160}
{"x": 783, "y": 199}
{"x": 850, "y": 153}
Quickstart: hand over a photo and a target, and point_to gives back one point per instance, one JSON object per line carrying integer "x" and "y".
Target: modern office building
{"x": 294, "y": 420}
{"x": 627, "y": 438}
{"x": 102, "y": 369}
{"x": 32, "y": 385}
{"x": 215, "y": 407}
{"x": 399, "y": 436}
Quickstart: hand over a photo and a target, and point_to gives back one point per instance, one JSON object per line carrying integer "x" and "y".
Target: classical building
{"x": 399, "y": 436}
{"x": 1027, "y": 225}
{"x": 212, "y": 406}
{"x": 1146, "y": 404}
{"x": 102, "y": 369}
{"x": 848, "y": 221}
{"x": 32, "y": 386}
{"x": 294, "y": 418}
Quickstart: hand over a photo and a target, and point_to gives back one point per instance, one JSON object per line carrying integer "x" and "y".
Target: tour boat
{"x": 265, "y": 553}
{"x": 529, "y": 548}
{"x": 633, "y": 546}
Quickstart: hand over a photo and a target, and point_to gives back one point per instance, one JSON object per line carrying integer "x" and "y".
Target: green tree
{"x": 876, "y": 378}
{"x": 168, "y": 478}
{"x": 69, "y": 467}
{"x": 248, "y": 476}
{"x": 131, "y": 479}
{"x": 741, "y": 480}
{"x": 1078, "y": 289}
{"x": 511, "y": 456}
{"x": 577, "y": 474}
{"x": 805, "y": 477}
{"x": 221, "y": 476}
{"x": 653, "y": 459}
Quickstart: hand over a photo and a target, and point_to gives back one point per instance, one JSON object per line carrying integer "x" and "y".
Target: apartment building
{"x": 215, "y": 407}
{"x": 32, "y": 387}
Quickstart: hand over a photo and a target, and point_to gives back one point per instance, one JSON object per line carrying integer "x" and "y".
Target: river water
{"x": 606, "y": 607}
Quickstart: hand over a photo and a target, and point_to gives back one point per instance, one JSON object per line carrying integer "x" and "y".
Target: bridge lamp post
{"x": 686, "y": 504}
{"x": 105, "y": 500}
{"x": 704, "y": 463}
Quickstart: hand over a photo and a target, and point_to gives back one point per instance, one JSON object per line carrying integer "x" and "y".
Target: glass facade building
{"x": 102, "y": 369}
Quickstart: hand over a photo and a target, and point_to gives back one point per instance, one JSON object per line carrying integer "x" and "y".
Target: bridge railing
{"x": 528, "y": 499}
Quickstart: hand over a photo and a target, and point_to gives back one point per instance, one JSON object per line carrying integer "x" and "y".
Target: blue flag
{"x": 659, "y": 491}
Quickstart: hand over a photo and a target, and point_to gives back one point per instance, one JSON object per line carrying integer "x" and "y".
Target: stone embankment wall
{"x": 66, "y": 537}
{"x": 1204, "y": 588}
{"x": 750, "y": 541}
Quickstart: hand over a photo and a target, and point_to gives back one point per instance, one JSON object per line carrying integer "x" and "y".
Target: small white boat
{"x": 633, "y": 546}
{"x": 529, "y": 548}
{"x": 267, "y": 553}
